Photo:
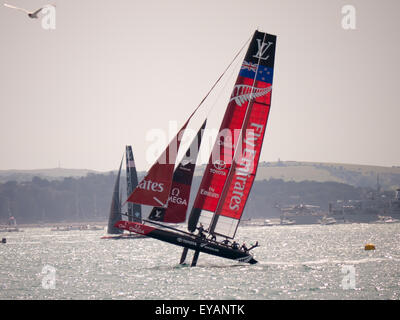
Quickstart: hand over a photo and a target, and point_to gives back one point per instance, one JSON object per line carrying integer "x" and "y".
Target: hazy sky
{"x": 114, "y": 71}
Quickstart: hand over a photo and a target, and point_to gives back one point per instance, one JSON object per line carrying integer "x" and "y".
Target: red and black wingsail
{"x": 241, "y": 176}
{"x": 181, "y": 184}
{"x": 231, "y": 169}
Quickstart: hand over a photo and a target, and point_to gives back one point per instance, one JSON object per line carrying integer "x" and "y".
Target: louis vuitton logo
{"x": 262, "y": 49}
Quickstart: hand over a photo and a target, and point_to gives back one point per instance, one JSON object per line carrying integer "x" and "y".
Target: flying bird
{"x": 33, "y": 14}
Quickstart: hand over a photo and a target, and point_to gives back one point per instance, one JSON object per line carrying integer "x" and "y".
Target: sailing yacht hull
{"x": 186, "y": 240}
{"x": 124, "y": 236}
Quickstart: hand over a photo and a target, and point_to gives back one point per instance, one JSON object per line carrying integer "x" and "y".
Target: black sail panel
{"x": 115, "y": 209}
{"x": 134, "y": 210}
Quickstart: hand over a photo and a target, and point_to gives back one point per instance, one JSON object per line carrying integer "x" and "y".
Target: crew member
{"x": 235, "y": 245}
{"x": 253, "y": 246}
{"x": 225, "y": 242}
{"x": 201, "y": 230}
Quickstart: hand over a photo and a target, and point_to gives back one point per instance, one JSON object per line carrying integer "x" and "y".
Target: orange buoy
{"x": 369, "y": 246}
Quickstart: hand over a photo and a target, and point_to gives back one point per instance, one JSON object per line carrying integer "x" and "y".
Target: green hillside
{"x": 355, "y": 175}
{"x": 50, "y": 174}
{"x": 352, "y": 174}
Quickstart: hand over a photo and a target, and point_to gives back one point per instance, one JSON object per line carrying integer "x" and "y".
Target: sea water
{"x": 295, "y": 262}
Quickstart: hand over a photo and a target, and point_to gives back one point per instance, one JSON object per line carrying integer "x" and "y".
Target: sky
{"x": 118, "y": 72}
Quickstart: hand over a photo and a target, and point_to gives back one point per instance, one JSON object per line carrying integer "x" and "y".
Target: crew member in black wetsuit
{"x": 244, "y": 248}
{"x": 201, "y": 229}
{"x": 235, "y": 245}
{"x": 225, "y": 242}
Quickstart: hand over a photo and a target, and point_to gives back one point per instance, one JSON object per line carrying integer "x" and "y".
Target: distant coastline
{"x": 60, "y": 224}
{"x": 85, "y": 196}
{"x": 357, "y": 175}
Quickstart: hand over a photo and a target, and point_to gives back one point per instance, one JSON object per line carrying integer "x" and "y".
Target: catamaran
{"x": 134, "y": 212}
{"x": 228, "y": 176}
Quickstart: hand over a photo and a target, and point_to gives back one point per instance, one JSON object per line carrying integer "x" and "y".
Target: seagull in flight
{"x": 33, "y": 14}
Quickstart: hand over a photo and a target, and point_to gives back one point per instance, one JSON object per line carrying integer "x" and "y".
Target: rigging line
{"x": 228, "y": 80}
{"x": 229, "y": 178}
{"x": 219, "y": 78}
{"x": 216, "y": 82}
{"x": 223, "y": 73}
{"x": 196, "y": 136}
{"x": 234, "y": 70}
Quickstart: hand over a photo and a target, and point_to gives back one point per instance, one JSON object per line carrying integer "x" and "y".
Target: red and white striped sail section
{"x": 248, "y": 108}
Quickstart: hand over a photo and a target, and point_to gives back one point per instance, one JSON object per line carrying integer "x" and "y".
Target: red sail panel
{"x": 223, "y": 151}
{"x": 155, "y": 187}
{"x": 220, "y": 161}
{"x": 177, "y": 205}
{"x": 243, "y": 172}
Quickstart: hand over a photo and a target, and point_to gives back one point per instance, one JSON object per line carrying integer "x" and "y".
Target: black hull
{"x": 186, "y": 240}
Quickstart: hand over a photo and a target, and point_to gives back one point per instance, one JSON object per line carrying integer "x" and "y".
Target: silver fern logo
{"x": 244, "y": 259}
{"x": 243, "y": 93}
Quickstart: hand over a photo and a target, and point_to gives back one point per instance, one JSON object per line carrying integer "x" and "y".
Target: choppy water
{"x": 295, "y": 262}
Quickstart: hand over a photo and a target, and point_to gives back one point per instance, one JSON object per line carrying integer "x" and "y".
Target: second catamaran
{"x": 134, "y": 210}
